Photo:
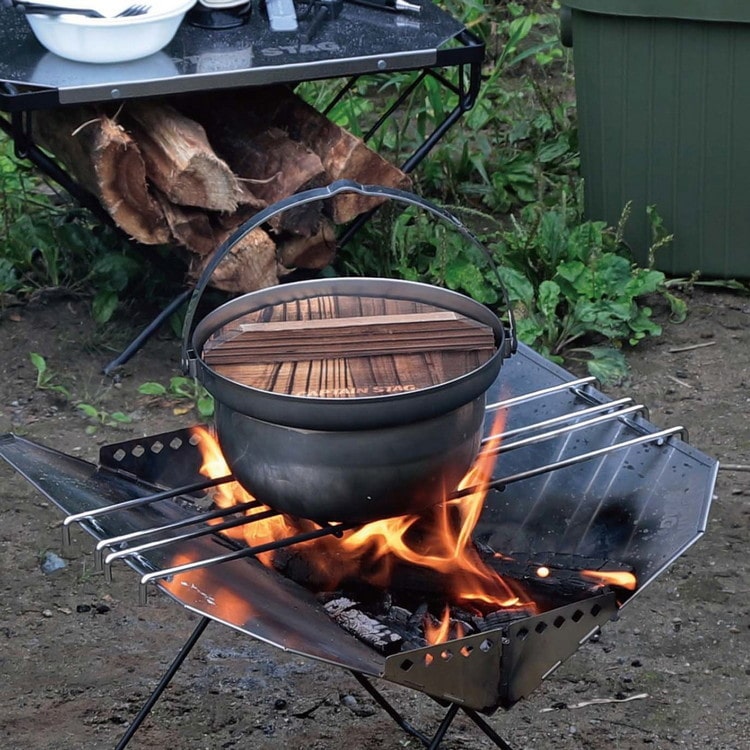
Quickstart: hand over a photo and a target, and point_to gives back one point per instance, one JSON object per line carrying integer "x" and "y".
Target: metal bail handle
{"x": 323, "y": 193}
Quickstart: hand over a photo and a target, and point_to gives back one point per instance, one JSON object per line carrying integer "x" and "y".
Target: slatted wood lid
{"x": 345, "y": 346}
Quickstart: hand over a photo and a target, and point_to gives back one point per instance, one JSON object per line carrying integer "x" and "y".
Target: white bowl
{"x": 108, "y": 40}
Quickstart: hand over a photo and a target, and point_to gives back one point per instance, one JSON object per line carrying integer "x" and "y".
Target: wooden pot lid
{"x": 347, "y": 346}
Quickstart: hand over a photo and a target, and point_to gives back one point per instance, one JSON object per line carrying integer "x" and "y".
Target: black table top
{"x": 360, "y": 40}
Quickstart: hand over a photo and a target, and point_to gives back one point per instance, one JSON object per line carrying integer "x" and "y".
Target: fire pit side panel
{"x": 499, "y": 667}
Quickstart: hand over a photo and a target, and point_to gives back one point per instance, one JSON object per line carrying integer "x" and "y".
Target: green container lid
{"x": 733, "y": 11}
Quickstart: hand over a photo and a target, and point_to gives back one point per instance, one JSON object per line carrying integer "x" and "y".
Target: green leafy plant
{"x": 574, "y": 291}
{"x": 46, "y": 379}
{"x": 186, "y": 390}
{"x": 102, "y": 417}
{"x": 46, "y": 242}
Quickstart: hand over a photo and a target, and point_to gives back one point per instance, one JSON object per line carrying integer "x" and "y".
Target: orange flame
{"x": 230, "y": 494}
{"x": 441, "y": 632}
{"x": 621, "y": 578}
{"x": 439, "y": 541}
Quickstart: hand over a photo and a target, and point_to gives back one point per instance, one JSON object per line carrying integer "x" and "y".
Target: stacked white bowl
{"x": 111, "y": 39}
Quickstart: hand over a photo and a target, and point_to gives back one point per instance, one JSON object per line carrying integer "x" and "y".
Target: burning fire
{"x": 444, "y": 631}
{"x": 620, "y": 578}
{"x": 436, "y": 547}
{"x": 230, "y": 494}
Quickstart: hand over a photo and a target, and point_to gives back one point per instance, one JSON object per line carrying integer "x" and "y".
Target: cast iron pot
{"x": 346, "y": 459}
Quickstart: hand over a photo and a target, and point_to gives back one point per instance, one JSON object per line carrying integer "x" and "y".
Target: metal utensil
{"x": 58, "y": 10}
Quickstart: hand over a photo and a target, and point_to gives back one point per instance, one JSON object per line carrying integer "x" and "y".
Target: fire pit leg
{"x": 487, "y": 729}
{"x": 390, "y": 710}
{"x": 137, "y": 343}
{"x": 165, "y": 680}
{"x": 431, "y": 743}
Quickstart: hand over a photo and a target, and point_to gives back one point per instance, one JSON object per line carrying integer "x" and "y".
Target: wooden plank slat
{"x": 343, "y": 346}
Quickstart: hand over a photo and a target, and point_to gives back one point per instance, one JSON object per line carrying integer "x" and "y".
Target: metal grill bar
{"x": 565, "y": 386}
{"x": 147, "y": 499}
{"x": 504, "y": 447}
{"x": 166, "y": 528}
{"x": 197, "y": 533}
{"x": 498, "y": 484}
{"x": 334, "y": 529}
{"x": 562, "y": 418}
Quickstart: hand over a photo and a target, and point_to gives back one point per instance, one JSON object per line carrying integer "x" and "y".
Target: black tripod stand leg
{"x": 487, "y": 729}
{"x": 137, "y": 343}
{"x": 390, "y": 710}
{"x": 165, "y": 680}
{"x": 450, "y": 714}
{"x": 431, "y": 743}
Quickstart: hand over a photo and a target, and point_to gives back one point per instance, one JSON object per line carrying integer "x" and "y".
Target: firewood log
{"x": 249, "y": 265}
{"x": 103, "y": 158}
{"x": 343, "y": 155}
{"x": 180, "y": 160}
{"x": 314, "y": 252}
{"x": 269, "y": 163}
{"x": 191, "y": 227}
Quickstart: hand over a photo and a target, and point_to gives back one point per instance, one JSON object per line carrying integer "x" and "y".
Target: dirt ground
{"x": 79, "y": 656}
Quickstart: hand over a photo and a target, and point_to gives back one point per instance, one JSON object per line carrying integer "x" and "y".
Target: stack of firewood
{"x": 189, "y": 171}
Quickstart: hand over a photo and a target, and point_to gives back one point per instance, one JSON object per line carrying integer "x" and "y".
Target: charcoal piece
{"x": 346, "y": 613}
{"x": 418, "y": 615}
{"x": 399, "y": 615}
{"x": 464, "y": 617}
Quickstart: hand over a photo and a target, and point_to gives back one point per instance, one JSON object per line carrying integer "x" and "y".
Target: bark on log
{"x": 179, "y": 159}
{"x": 191, "y": 227}
{"x": 313, "y": 252}
{"x": 270, "y": 165}
{"x": 343, "y": 155}
{"x": 102, "y": 157}
{"x": 249, "y": 265}
{"x": 277, "y": 167}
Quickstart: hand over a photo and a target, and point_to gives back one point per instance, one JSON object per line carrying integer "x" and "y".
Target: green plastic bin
{"x": 663, "y": 92}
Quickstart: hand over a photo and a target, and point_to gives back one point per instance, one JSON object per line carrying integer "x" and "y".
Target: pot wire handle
{"x": 188, "y": 355}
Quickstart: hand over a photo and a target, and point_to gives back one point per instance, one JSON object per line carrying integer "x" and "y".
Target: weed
{"x": 102, "y": 417}
{"x": 46, "y": 242}
{"x": 188, "y": 391}
{"x": 46, "y": 378}
{"x": 572, "y": 287}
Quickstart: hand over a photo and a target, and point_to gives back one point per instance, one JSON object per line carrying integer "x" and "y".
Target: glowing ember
{"x": 543, "y": 571}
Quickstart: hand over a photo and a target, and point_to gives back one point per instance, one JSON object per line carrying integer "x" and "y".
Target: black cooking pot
{"x": 352, "y": 459}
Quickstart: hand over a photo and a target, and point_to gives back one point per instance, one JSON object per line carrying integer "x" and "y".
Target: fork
{"x": 56, "y": 10}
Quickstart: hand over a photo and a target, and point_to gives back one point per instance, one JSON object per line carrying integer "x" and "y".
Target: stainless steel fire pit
{"x": 579, "y": 475}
